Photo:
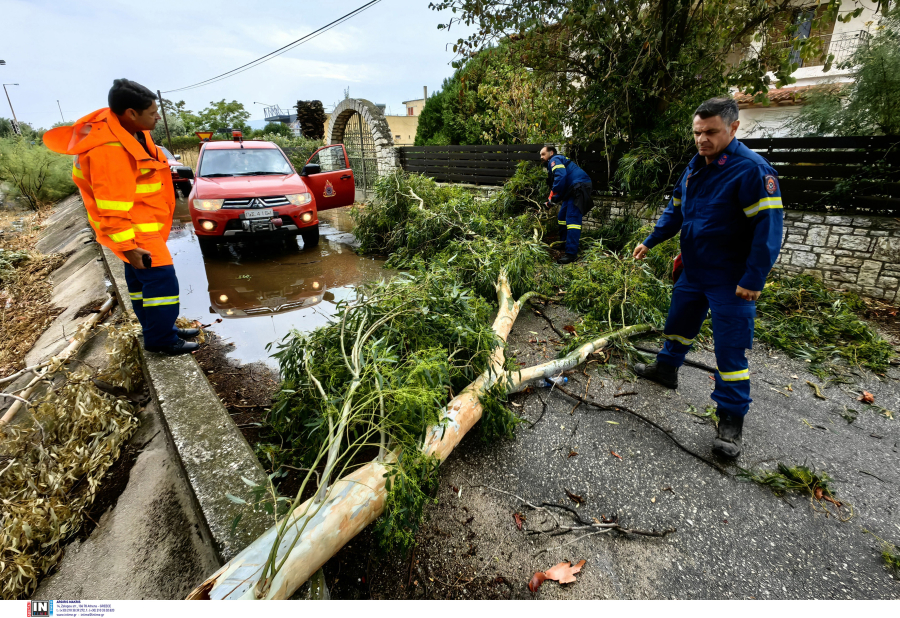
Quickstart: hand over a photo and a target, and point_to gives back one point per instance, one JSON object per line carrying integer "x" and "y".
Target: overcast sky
{"x": 71, "y": 51}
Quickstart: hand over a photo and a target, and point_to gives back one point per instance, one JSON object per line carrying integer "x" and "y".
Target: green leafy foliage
{"x": 800, "y": 315}
{"x": 418, "y": 222}
{"x": 790, "y": 478}
{"x": 498, "y": 421}
{"x": 438, "y": 342}
{"x": 628, "y": 74}
{"x": 867, "y": 103}
{"x": 493, "y": 99}
{"x": 411, "y": 484}
{"x": 33, "y": 171}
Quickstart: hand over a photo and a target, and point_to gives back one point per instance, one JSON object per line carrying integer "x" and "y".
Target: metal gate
{"x": 360, "y": 147}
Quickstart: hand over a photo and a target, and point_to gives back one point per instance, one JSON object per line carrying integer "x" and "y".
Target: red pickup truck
{"x": 246, "y": 190}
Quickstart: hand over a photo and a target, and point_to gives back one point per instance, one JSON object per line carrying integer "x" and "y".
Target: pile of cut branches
{"x": 52, "y": 462}
{"x": 800, "y": 315}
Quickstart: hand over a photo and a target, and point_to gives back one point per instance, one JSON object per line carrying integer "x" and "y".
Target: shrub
{"x": 38, "y": 174}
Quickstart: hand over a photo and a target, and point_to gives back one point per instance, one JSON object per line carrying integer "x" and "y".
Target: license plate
{"x": 259, "y": 213}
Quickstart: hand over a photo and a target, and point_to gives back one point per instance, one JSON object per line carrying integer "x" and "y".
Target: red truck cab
{"x": 246, "y": 190}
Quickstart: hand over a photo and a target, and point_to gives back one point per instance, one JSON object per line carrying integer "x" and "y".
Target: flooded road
{"x": 263, "y": 290}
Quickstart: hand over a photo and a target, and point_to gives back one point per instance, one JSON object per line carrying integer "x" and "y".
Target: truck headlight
{"x": 208, "y": 204}
{"x": 299, "y": 199}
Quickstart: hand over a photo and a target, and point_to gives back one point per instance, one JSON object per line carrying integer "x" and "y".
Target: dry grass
{"x": 51, "y": 467}
{"x": 25, "y": 311}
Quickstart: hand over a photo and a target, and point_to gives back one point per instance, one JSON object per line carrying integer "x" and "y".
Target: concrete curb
{"x": 211, "y": 450}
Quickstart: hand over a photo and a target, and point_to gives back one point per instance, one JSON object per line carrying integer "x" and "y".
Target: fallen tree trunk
{"x": 357, "y": 500}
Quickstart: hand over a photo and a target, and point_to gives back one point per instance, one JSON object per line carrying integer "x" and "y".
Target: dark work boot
{"x": 567, "y": 259}
{"x": 664, "y": 374}
{"x": 728, "y": 442}
{"x": 179, "y": 347}
{"x": 187, "y": 333}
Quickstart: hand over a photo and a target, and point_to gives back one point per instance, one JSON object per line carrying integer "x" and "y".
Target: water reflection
{"x": 263, "y": 290}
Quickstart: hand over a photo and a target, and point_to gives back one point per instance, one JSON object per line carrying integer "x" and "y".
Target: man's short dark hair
{"x": 551, "y": 148}
{"x": 726, "y": 107}
{"x": 126, "y": 94}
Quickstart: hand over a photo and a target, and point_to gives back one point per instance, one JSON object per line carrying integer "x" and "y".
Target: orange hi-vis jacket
{"x": 128, "y": 193}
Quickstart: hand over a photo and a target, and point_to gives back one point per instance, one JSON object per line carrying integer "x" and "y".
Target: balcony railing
{"x": 842, "y": 45}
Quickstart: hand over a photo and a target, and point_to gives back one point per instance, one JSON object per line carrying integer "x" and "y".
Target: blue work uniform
{"x": 730, "y": 217}
{"x": 566, "y": 175}
{"x": 154, "y": 298}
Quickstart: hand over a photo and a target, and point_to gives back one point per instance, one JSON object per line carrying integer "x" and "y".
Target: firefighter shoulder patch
{"x": 723, "y": 159}
{"x": 771, "y": 184}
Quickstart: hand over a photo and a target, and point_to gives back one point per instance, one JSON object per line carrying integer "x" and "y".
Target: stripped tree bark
{"x": 357, "y": 500}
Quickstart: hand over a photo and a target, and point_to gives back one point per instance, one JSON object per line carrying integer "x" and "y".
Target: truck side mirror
{"x": 178, "y": 157}
{"x": 311, "y": 168}
{"x": 185, "y": 172}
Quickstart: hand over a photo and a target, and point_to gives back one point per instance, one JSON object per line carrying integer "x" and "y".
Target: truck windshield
{"x": 244, "y": 162}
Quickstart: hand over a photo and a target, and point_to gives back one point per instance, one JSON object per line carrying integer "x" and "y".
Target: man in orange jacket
{"x": 127, "y": 190}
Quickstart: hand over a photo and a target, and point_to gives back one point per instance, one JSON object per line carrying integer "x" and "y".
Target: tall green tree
{"x": 632, "y": 71}
{"x": 224, "y": 115}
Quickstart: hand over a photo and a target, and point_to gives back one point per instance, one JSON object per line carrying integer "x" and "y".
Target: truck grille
{"x": 256, "y": 202}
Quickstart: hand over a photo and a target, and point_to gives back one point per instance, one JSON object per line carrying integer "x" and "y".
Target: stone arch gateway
{"x": 361, "y": 126}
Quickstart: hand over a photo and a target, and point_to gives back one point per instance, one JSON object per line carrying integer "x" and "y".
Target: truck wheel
{"x": 310, "y": 237}
{"x": 185, "y": 188}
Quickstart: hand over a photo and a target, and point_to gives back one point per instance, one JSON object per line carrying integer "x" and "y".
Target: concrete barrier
{"x": 211, "y": 450}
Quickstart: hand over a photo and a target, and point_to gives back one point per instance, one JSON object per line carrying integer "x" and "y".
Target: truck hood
{"x": 248, "y": 186}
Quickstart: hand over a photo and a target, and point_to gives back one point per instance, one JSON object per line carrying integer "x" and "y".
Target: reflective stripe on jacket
{"x": 128, "y": 193}
{"x": 730, "y": 216}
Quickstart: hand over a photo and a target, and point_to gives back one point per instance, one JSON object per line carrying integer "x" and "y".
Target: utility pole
{"x": 16, "y": 129}
{"x": 165, "y": 122}
{"x": 60, "y": 110}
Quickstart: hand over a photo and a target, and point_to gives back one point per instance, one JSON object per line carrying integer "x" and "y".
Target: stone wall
{"x": 855, "y": 253}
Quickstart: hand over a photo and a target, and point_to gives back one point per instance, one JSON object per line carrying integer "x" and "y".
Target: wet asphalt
{"x": 734, "y": 540}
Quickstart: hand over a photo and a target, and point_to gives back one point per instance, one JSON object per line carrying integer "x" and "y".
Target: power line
{"x": 279, "y": 51}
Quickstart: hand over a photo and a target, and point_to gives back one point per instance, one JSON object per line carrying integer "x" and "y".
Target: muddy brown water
{"x": 264, "y": 289}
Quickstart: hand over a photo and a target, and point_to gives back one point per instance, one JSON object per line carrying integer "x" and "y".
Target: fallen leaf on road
{"x": 616, "y": 454}
{"x": 653, "y": 500}
{"x": 866, "y": 397}
{"x": 569, "y": 328}
{"x": 536, "y": 581}
{"x": 563, "y": 572}
{"x": 519, "y": 519}
{"x": 612, "y": 422}
{"x": 574, "y": 498}
{"x": 572, "y": 453}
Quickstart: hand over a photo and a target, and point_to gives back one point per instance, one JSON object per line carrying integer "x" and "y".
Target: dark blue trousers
{"x": 154, "y": 297}
{"x": 569, "y": 221}
{"x": 732, "y": 322}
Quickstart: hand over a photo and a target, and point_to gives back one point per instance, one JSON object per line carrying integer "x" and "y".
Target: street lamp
{"x": 15, "y": 120}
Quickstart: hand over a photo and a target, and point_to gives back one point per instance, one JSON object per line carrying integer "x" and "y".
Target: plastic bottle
{"x": 558, "y": 381}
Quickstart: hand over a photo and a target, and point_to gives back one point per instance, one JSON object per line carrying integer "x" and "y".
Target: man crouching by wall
{"x": 127, "y": 191}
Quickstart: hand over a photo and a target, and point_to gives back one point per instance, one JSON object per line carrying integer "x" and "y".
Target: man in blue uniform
{"x": 571, "y": 187}
{"x": 727, "y": 206}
